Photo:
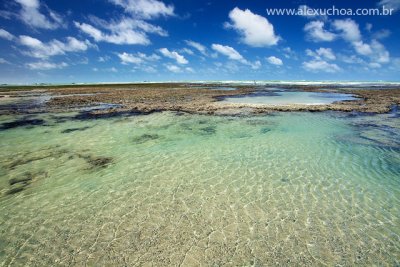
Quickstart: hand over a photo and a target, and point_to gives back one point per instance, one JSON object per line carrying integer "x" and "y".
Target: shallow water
{"x": 289, "y": 97}
{"x": 169, "y": 189}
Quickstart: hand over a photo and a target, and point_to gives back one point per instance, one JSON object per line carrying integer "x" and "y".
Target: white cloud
{"x": 44, "y": 65}
{"x": 231, "y": 53}
{"x": 382, "y": 34}
{"x": 145, "y": 9}
{"x": 380, "y": 54}
{"x": 137, "y": 58}
{"x": 316, "y": 32}
{"x": 201, "y": 48}
{"x": 390, "y": 4}
{"x": 173, "y": 55}
{"x": 350, "y": 32}
{"x": 55, "y": 47}
{"x": 348, "y": 28}
{"x": 321, "y": 53}
{"x": 320, "y": 66}
{"x": 362, "y": 48}
{"x": 123, "y": 31}
{"x": 173, "y": 68}
{"x": 228, "y": 51}
{"x": 374, "y": 65}
{"x": 129, "y": 58}
{"x": 6, "y": 35}
{"x": 30, "y": 14}
{"x": 254, "y": 29}
{"x": 189, "y": 69}
{"x": 104, "y": 59}
{"x": 256, "y": 65}
{"x": 3, "y": 61}
{"x": 187, "y": 51}
{"x": 274, "y": 61}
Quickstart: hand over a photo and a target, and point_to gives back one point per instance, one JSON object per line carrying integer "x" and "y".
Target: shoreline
{"x": 191, "y": 98}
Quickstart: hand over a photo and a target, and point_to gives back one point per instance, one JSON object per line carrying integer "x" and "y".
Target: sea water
{"x": 289, "y": 98}
{"x": 173, "y": 188}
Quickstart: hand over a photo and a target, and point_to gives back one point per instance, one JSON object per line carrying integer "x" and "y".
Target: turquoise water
{"x": 168, "y": 189}
{"x": 289, "y": 97}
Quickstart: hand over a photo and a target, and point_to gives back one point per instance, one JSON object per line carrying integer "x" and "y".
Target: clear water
{"x": 290, "y": 97}
{"x": 162, "y": 189}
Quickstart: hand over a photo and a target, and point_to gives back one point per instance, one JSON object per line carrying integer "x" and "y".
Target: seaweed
{"x": 70, "y": 130}
{"x": 88, "y": 115}
{"x": 209, "y": 130}
{"x": 96, "y": 162}
{"x": 23, "y": 180}
{"x": 21, "y": 123}
{"x": 265, "y": 130}
{"x": 19, "y": 184}
{"x": 145, "y": 138}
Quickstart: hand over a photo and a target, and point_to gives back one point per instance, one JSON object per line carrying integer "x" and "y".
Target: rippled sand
{"x": 171, "y": 188}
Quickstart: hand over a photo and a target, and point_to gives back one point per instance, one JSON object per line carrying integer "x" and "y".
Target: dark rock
{"x": 70, "y": 130}
{"x": 265, "y": 130}
{"x": 145, "y": 138}
{"x": 21, "y": 123}
{"x": 96, "y": 162}
{"x": 209, "y": 130}
{"x": 24, "y": 180}
{"x": 15, "y": 190}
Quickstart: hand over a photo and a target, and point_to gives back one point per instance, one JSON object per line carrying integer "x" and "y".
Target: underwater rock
{"x": 21, "y": 123}
{"x": 24, "y": 180}
{"x": 209, "y": 130}
{"x": 15, "y": 190}
{"x": 100, "y": 161}
{"x": 89, "y": 115}
{"x": 145, "y": 137}
{"x": 96, "y": 162}
{"x": 70, "y": 130}
{"x": 265, "y": 130}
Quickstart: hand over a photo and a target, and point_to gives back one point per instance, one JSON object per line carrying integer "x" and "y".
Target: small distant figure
{"x": 255, "y": 83}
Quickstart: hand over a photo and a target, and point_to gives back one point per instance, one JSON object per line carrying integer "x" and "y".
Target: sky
{"x": 64, "y": 41}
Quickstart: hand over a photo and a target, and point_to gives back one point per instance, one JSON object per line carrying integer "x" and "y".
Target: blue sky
{"x": 64, "y": 41}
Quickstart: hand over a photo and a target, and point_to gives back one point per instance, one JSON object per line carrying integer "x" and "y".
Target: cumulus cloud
{"x": 30, "y": 14}
{"x": 316, "y": 32}
{"x": 390, "y": 4}
{"x": 137, "y": 58}
{"x": 3, "y": 61}
{"x": 6, "y": 35}
{"x": 173, "y": 68}
{"x": 44, "y": 65}
{"x": 322, "y": 53}
{"x": 231, "y": 53}
{"x": 173, "y": 55}
{"x": 320, "y": 66}
{"x": 132, "y": 28}
{"x": 129, "y": 58}
{"x": 201, "y": 48}
{"x": 146, "y": 9}
{"x": 350, "y": 32}
{"x": 254, "y": 29}
{"x": 274, "y": 61}
{"x": 124, "y": 31}
{"x": 348, "y": 28}
{"x": 228, "y": 51}
{"x": 55, "y": 47}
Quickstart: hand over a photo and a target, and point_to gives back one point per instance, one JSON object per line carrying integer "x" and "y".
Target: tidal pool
{"x": 289, "y": 97}
{"x": 168, "y": 188}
